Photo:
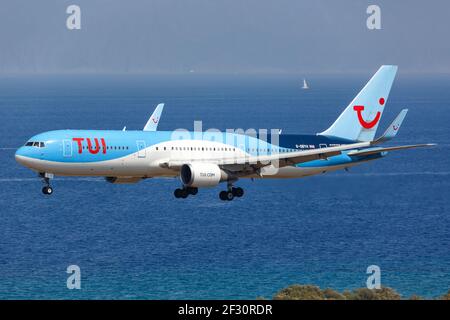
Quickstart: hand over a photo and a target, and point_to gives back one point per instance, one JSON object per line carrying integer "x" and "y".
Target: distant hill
{"x": 311, "y": 292}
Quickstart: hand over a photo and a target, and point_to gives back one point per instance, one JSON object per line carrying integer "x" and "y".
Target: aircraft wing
{"x": 278, "y": 160}
{"x": 152, "y": 123}
{"x": 366, "y": 152}
{"x": 253, "y": 164}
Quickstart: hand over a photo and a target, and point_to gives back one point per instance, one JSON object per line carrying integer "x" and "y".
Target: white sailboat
{"x": 305, "y": 85}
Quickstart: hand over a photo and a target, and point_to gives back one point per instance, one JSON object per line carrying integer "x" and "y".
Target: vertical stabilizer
{"x": 359, "y": 121}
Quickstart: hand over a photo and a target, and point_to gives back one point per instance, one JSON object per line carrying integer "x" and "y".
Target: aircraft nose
{"x": 21, "y": 155}
{"x": 19, "y": 152}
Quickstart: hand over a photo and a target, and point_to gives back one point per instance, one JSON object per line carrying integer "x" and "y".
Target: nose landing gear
{"x": 47, "y": 189}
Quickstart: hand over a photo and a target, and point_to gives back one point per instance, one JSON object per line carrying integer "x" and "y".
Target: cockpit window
{"x": 37, "y": 144}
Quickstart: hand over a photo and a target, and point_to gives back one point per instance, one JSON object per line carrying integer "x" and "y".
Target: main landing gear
{"x": 227, "y": 195}
{"x": 231, "y": 193}
{"x": 184, "y": 192}
{"x": 47, "y": 189}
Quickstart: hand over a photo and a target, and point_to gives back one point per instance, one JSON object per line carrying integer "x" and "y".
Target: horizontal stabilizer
{"x": 153, "y": 121}
{"x": 367, "y": 152}
{"x": 393, "y": 128}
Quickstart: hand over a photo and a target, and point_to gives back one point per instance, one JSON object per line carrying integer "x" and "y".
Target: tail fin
{"x": 360, "y": 119}
{"x": 152, "y": 123}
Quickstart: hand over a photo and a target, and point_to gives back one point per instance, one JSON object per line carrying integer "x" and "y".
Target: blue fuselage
{"x": 140, "y": 153}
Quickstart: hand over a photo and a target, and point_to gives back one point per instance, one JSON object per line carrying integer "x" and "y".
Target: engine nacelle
{"x": 201, "y": 175}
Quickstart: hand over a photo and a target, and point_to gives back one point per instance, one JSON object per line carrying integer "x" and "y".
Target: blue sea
{"x": 138, "y": 241}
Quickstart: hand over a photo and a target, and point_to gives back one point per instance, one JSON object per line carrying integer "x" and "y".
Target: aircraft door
{"x": 67, "y": 148}
{"x": 141, "y": 149}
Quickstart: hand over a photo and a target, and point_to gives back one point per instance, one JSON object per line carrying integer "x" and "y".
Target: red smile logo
{"x": 368, "y": 124}
{"x": 155, "y": 120}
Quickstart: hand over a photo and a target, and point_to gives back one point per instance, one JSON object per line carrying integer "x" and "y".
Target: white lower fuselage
{"x": 146, "y": 163}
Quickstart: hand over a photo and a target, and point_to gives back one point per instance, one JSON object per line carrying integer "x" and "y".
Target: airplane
{"x": 206, "y": 159}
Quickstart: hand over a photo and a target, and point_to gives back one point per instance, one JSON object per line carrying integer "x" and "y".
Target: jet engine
{"x": 202, "y": 175}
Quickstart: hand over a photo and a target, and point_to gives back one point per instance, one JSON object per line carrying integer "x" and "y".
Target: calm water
{"x": 137, "y": 241}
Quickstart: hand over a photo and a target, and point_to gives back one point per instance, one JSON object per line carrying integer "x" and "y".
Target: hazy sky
{"x": 223, "y": 36}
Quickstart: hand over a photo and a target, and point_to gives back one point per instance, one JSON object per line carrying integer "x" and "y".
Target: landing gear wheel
{"x": 193, "y": 191}
{"x": 47, "y": 190}
{"x": 223, "y": 195}
{"x": 238, "y": 192}
{"x": 230, "y": 195}
{"x": 184, "y": 193}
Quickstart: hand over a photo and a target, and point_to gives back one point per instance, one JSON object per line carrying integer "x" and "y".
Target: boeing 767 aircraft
{"x": 207, "y": 159}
